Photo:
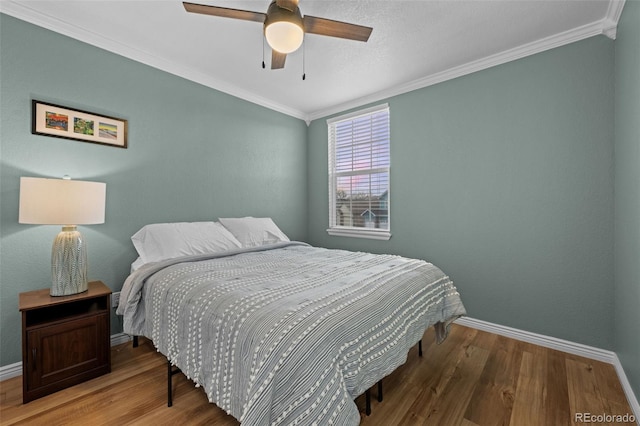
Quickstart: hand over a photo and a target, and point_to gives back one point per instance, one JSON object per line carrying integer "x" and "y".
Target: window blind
{"x": 359, "y": 164}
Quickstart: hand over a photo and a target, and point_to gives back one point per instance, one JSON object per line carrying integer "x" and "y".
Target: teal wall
{"x": 194, "y": 154}
{"x": 627, "y": 190}
{"x": 504, "y": 179}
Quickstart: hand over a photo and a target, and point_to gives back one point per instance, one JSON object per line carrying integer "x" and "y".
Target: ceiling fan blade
{"x": 287, "y": 4}
{"x": 277, "y": 59}
{"x": 224, "y": 12}
{"x": 328, "y": 27}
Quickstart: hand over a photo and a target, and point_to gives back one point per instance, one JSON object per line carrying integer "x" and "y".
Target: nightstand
{"x": 65, "y": 339}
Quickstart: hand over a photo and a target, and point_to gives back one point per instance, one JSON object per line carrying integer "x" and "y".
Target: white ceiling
{"x": 413, "y": 44}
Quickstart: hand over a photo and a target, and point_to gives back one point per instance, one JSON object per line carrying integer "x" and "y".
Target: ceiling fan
{"x": 284, "y": 26}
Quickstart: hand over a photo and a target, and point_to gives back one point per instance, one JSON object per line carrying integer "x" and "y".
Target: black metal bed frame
{"x": 172, "y": 371}
{"x": 367, "y": 393}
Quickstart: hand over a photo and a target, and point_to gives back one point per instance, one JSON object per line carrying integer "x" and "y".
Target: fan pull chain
{"x": 263, "y": 38}
{"x": 304, "y": 49}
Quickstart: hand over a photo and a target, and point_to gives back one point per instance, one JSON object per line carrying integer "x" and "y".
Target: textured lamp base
{"x": 68, "y": 263}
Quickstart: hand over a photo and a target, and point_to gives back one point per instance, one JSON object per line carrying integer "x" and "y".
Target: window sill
{"x": 360, "y": 233}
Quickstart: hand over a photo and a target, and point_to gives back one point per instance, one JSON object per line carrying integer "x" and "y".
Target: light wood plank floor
{"x": 473, "y": 378}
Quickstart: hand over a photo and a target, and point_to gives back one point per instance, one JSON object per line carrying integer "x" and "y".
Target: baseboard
{"x": 540, "y": 340}
{"x": 579, "y": 349}
{"x": 14, "y": 370}
{"x": 120, "y": 338}
{"x": 631, "y": 397}
{"x": 10, "y": 371}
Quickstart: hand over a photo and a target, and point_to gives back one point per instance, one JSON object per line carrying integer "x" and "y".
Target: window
{"x": 359, "y": 165}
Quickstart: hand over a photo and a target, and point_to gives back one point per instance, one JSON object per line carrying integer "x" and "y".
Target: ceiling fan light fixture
{"x": 284, "y": 36}
{"x": 283, "y": 28}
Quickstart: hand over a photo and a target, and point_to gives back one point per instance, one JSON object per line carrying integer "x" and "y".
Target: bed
{"x": 280, "y": 332}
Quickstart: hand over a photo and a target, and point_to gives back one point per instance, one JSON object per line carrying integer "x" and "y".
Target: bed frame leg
{"x": 367, "y": 402}
{"x": 380, "y": 391}
{"x": 170, "y": 372}
{"x": 420, "y": 347}
{"x": 169, "y": 383}
{"x": 135, "y": 341}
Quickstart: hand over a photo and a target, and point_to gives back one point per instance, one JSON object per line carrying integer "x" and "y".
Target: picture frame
{"x": 61, "y": 122}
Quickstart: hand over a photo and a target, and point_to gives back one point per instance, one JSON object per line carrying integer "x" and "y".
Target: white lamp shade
{"x": 283, "y": 36}
{"x": 61, "y": 201}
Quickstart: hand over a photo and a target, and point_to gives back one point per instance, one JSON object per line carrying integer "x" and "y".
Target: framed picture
{"x": 61, "y": 122}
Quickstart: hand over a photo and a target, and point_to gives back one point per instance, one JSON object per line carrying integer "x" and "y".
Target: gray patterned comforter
{"x": 288, "y": 334}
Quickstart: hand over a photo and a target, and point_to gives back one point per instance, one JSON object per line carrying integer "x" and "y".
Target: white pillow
{"x": 160, "y": 241}
{"x": 136, "y": 264}
{"x": 254, "y": 231}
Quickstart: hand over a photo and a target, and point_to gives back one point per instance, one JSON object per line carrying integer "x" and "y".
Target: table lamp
{"x": 68, "y": 203}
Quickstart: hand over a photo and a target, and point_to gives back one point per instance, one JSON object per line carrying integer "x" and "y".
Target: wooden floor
{"x": 473, "y": 378}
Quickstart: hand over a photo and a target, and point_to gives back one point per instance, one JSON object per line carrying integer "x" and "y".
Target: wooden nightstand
{"x": 65, "y": 339}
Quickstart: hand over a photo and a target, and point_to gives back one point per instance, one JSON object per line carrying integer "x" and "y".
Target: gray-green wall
{"x": 627, "y": 190}
{"x": 194, "y": 154}
{"x": 504, "y": 179}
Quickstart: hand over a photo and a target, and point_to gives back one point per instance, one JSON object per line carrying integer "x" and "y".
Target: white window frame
{"x": 353, "y": 231}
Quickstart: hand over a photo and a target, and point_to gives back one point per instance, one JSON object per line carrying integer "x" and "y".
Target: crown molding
{"x": 606, "y": 26}
{"x": 610, "y": 21}
{"x": 24, "y": 12}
